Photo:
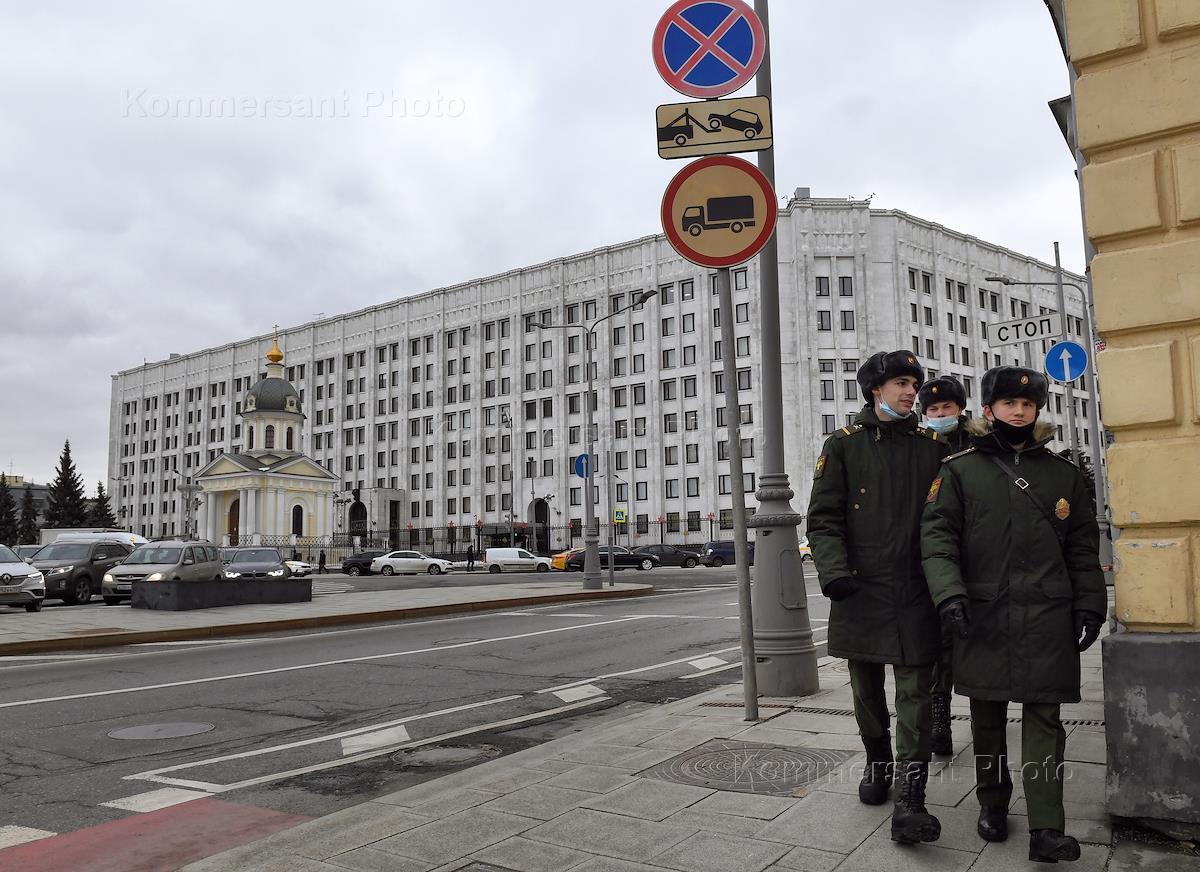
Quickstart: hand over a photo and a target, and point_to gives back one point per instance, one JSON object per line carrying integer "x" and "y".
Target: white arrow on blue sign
{"x": 583, "y": 466}
{"x": 1066, "y": 361}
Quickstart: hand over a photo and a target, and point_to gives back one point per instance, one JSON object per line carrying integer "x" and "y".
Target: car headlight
{"x": 34, "y": 577}
{"x": 154, "y": 576}
{"x": 108, "y": 579}
{"x": 231, "y": 574}
{"x": 60, "y": 569}
{"x": 275, "y": 573}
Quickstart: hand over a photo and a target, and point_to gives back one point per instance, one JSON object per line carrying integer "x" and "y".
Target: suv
{"x": 74, "y": 571}
{"x": 717, "y": 554}
{"x": 166, "y": 560}
{"x": 20, "y": 584}
{"x": 360, "y": 564}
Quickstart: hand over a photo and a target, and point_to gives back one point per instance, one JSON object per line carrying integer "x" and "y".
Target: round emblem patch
{"x": 1024, "y": 379}
{"x": 934, "y": 390}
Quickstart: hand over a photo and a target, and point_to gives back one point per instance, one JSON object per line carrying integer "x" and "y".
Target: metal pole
{"x": 1073, "y": 435}
{"x": 783, "y": 635}
{"x": 591, "y": 531}
{"x": 740, "y": 534}
{"x": 608, "y": 486}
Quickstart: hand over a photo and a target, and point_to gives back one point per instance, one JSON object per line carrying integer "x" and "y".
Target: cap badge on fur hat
{"x": 1024, "y": 379}
{"x": 934, "y": 389}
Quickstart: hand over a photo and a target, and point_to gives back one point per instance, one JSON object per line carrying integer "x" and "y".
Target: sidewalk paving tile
{"x": 648, "y": 799}
{"x": 809, "y": 860}
{"x": 631, "y": 736}
{"x": 832, "y": 741}
{"x": 712, "y": 822}
{"x": 351, "y": 828}
{"x": 1087, "y": 747}
{"x": 452, "y": 802}
{"x": 527, "y": 856}
{"x": 596, "y": 832}
{"x": 745, "y": 805}
{"x": 709, "y": 852}
{"x": 880, "y": 854}
{"x": 370, "y": 860}
{"x": 605, "y": 755}
{"x": 951, "y": 786}
{"x": 816, "y": 723}
{"x": 455, "y": 836}
{"x": 513, "y": 779}
{"x": 828, "y": 821}
{"x": 1013, "y": 856}
{"x": 595, "y": 779}
{"x": 1135, "y": 857}
{"x": 539, "y": 801}
{"x": 608, "y": 864}
{"x": 765, "y": 735}
{"x": 292, "y": 863}
{"x": 687, "y": 738}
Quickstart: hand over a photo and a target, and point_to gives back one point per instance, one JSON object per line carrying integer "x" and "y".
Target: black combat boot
{"x": 993, "y": 823}
{"x": 877, "y": 774}
{"x": 911, "y": 822}
{"x": 940, "y": 740}
{"x": 1050, "y": 846}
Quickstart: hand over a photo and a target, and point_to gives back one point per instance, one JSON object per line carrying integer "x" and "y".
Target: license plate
{"x": 12, "y": 588}
{"x": 123, "y": 587}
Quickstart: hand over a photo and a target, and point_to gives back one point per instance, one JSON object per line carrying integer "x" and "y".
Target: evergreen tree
{"x": 101, "y": 513}
{"x": 8, "y": 513}
{"x": 66, "y": 505}
{"x": 27, "y": 527}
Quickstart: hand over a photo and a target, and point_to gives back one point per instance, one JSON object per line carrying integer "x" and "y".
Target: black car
{"x": 717, "y": 554}
{"x": 360, "y": 564}
{"x": 623, "y": 558}
{"x": 670, "y": 555}
{"x": 74, "y": 571}
{"x": 256, "y": 562}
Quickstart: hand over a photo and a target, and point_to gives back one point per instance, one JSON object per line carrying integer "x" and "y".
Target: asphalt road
{"x": 307, "y": 723}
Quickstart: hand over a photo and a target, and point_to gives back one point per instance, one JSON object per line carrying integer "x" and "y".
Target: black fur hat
{"x": 941, "y": 389}
{"x": 883, "y": 366}
{"x": 1011, "y": 382}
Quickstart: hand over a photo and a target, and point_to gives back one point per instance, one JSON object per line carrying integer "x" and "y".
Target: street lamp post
{"x": 506, "y": 420}
{"x": 591, "y": 532}
{"x": 1099, "y": 474}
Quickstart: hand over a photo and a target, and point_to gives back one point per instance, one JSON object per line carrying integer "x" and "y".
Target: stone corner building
{"x": 1137, "y": 104}
{"x": 270, "y": 489}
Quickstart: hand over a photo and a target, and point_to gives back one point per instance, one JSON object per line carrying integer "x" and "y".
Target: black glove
{"x": 956, "y": 618}
{"x": 1087, "y": 628}
{"x": 841, "y": 588}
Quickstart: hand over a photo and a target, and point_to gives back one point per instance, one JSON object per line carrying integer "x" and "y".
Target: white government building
{"x": 445, "y": 407}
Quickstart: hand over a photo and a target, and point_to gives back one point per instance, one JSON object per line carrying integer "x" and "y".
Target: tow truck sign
{"x": 1048, "y": 326}
{"x": 714, "y": 127}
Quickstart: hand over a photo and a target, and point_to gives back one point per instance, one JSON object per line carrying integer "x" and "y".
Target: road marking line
{"x": 378, "y": 739}
{"x": 156, "y": 799}
{"x": 358, "y": 731}
{"x": 192, "y": 642}
{"x": 582, "y": 691}
{"x": 10, "y": 835}
{"x": 332, "y": 764}
{"x": 283, "y": 669}
{"x": 632, "y": 671}
{"x": 707, "y": 662}
{"x": 712, "y": 671}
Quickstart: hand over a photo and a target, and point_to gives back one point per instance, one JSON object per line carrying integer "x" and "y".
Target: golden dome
{"x": 275, "y": 355}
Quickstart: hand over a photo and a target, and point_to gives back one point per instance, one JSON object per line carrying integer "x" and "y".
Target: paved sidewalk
{"x": 66, "y": 628}
{"x": 587, "y": 803}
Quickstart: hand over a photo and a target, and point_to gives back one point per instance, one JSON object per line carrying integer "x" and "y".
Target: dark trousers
{"x": 943, "y": 670}
{"x": 913, "y": 713}
{"x": 1043, "y": 746}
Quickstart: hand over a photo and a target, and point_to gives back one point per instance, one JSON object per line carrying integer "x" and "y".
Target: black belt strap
{"x": 1025, "y": 487}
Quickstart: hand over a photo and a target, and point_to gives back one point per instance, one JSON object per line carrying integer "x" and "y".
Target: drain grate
{"x": 749, "y": 767}
{"x": 849, "y": 713}
{"x": 761, "y": 705}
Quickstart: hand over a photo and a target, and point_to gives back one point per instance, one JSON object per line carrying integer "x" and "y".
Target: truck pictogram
{"x": 718, "y": 213}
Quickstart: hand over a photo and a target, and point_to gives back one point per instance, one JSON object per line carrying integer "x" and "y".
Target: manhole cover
{"x": 160, "y": 731}
{"x": 748, "y": 767}
{"x": 446, "y": 755}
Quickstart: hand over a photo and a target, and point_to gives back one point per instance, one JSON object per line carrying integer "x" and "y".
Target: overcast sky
{"x": 459, "y": 139}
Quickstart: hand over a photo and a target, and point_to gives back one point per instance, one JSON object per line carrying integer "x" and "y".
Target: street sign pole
{"x": 591, "y": 531}
{"x": 1070, "y": 392}
{"x": 612, "y": 524}
{"x": 741, "y": 549}
{"x": 783, "y": 633}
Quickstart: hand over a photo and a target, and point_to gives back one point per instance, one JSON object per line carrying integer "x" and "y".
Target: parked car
{"x": 559, "y": 560}
{"x": 360, "y": 564}
{"x": 164, "y": 560}
{"x": 24, "y": 552}
{"x": 670, "y": 555}
{"x": 408, "y": 562}
{"x": 299, "y": 568}
{"x": 805, "y": 552}
{"x": 256, "y": 562}
{"x": 514, "y": 560}
{"x": 130, "y": 540}
{"x": 74, "y": 571}
{"x": 622, "y": 558}
{"x": 717, "y": 554}
{"x": 20, "y": 583}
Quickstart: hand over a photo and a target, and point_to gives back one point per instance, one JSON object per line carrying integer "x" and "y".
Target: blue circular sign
{"x": 708, "y": 48}
{"x": 1066, "y": 361}
{"x": 583, "y": 466}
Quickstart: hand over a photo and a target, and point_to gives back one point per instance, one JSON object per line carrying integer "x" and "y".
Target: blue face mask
{"x": 942, "y": 425}
{"x": 890, "y": 412}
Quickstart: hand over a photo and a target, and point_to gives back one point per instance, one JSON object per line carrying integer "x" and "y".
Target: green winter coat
{"x": 958, "y": 439}
{"x": 864, "y": 523}
{"x": 983, "y": 538}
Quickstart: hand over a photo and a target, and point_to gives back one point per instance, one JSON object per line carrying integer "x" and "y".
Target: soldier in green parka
{"x": 943, "y": 403}
{"x": 1011, "y": 554}
{"x": 864, "y": 528}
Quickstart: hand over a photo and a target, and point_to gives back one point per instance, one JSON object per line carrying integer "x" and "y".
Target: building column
{"x": 252, "y": 520}
{"x": 202, "y": 518}
{"x": 1138, "y": 127}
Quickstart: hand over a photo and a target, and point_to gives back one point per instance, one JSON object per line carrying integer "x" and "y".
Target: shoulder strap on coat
{"x": 929, "y": 434}
{"x": 848, "y": 430}
{"x": 957, "y": 454}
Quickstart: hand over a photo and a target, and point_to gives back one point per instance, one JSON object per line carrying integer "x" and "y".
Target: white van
{"x": 514, "y": 560}
{"x": 133, "y": 540}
